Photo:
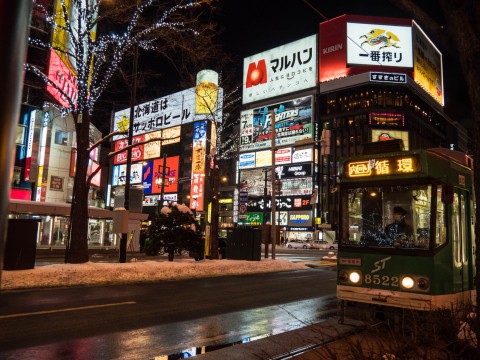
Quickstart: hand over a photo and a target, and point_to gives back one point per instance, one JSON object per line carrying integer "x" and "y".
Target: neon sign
{"x": 395, "y": 165}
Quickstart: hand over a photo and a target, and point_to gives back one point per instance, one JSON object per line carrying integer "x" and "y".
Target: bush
{"x": 175, "y": 228}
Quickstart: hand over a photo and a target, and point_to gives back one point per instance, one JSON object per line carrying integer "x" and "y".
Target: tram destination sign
{"x": 393, "y": 165}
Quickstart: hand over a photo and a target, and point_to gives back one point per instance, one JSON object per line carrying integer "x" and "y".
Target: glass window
{"x": 20, "y": 138}
{"x": 441, "y": 229}
{"x": 459, "y": 227}
{"x": 388, "y": 217}
{"x": 61, "y": 137}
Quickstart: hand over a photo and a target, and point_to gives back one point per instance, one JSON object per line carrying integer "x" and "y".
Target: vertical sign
{"x": 28, "y": 160}
{"x": 198, "y": 165}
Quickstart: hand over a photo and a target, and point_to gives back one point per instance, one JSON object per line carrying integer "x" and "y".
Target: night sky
{"x": 253, "y": 26}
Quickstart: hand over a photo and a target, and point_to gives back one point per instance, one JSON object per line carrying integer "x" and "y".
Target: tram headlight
{"x": 408, "y": 282}
{"x": 354, "y": 277}
{"x": 342, "y": 276}
{"x": 415, "y": 283}
{"x": 423, "y": 283}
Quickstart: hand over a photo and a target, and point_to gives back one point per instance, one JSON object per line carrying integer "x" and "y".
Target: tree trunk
{"x": 77, "y": 247}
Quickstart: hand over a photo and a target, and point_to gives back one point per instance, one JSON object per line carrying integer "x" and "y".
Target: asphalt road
{"x": 143, "y": 321}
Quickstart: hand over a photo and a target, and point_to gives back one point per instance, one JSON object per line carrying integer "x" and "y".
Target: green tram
{"x": 425, "y": 259}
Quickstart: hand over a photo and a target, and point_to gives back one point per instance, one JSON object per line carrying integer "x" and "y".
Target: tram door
{"x": 461, "y": 241}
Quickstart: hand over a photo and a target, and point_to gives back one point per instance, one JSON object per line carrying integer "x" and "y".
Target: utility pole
{"x": 15, "y": 17}
{"x": 265, "y": 226}
{"x": 133, "y": 96}
{"x": 164, "y": 170}
{"x": 215, "y": 178}
{"x": 274, "y": 204}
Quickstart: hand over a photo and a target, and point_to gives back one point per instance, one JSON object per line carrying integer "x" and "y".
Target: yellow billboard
{"x": 427, "y": 64}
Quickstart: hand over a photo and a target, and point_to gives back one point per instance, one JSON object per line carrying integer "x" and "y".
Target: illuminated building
{"x": 378, "y": 79}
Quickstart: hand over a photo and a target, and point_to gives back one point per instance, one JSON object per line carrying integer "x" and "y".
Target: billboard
{"x": 163, "y": 113}
{"x": 428, "y": 66}
{"x": 354, "y": 44}
{"x": 282, "y": 70}
{"x": 62, "y": 69}
{"x": 149, "y": 150}
{"x": 293, "y": 122}
{"x": 171, "y": 175}
{"x": 120, "y": 171}
{"x": 199, "y": 149}
{"x": 379, "y": 44}
{"x": 385, "y": 135}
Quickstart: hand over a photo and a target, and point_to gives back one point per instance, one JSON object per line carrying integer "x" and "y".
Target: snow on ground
{"x": 90, "y": 273}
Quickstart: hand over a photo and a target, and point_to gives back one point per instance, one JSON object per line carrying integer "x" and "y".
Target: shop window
{"x": 61, "y": 137}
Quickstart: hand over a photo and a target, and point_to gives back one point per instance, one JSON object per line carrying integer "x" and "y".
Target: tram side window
{"x": 441, "y": 230}
{"x": 459, "y": 226}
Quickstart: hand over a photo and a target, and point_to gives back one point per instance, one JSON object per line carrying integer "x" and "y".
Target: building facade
{"x": 378, "y": 79}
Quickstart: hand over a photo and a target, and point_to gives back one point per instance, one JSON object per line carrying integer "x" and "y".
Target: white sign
{"x": 283, "y": 156}
{"x": 384, "y": 45}
{"x": 120, "y": 171}
{"x": 282, "y": 70}
{"x": 246, "y": 161}
{"x": 166, "y": 112}
{"x": 302, "y": 155}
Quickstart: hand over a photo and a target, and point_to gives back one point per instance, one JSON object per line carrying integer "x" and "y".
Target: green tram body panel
{"x": 382, "y": 267}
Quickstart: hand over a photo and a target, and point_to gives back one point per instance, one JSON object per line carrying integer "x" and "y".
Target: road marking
{"x": 67, "y": 309}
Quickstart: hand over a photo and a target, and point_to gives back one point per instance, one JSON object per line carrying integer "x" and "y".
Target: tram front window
{"x": 387, "y": 216}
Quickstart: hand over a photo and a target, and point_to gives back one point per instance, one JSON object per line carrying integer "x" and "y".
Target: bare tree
{"x": 151, "y": 25}
{"x": 223, "y": 116}
{"x": 460, "y": 36}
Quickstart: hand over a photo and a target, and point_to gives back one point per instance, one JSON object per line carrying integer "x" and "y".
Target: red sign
{"x": 60, "y": 75}
{"x": 171, "y": 175}
{"x": 256, "y": 74}
{"x": 137, "y": 151}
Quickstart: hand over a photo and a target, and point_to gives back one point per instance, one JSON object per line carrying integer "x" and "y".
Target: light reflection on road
{"x": 152, "y": 342}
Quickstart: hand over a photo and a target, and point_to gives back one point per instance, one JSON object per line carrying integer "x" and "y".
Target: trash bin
{"x": 244, "y": 244}
{"x": 21, "y": 245}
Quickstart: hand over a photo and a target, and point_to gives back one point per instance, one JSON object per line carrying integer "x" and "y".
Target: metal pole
{"x": 163, "y": 180}
{"x": 265, "y": 212}
{"x": 274, "y": 204}
{"x": 133, "y": 96}
{"x": 15, "y": 18}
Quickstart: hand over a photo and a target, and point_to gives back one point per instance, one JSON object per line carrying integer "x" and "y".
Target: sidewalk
{"x": 288, "y": 344}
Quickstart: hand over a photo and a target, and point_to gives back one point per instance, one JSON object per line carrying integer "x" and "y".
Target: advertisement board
{"x": 302, "y": 155}
{"x": 292, "y": 181}
{"x": 163, "y": 113}
{"x": 137, "y": 151}
{"x": 283, "y": 203}
{"x": 171, "y": 175}
{"x": 293, "y": 122}
{"x": 300, "y": 218}
{"x": 369, "y": 44}
{"x": 119, "y": 174}
{"x": 428, "y": 66}
{"x": 282, "y": 70}
{"x": 379, "y": 44}
{"x": 62, "y": 69}
{"x": 384, "y": 135}
{"x": 246, "y": 160}
{"x": 198, "y": 165}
